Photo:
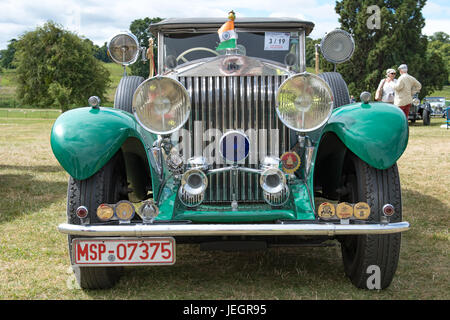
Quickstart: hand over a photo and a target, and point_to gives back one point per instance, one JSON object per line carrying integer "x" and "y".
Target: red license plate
{"x": 121, "y": 251}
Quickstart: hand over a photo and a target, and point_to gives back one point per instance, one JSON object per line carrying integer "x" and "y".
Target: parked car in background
{"x": 437, "y": 105}
{"x": 231, "y": 149}
{"x": 420, "y": 111}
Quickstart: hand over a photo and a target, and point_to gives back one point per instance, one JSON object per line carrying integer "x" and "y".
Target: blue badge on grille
{"x": 234, "y": 146}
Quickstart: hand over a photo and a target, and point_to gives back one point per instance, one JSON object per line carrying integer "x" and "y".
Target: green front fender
{"x": 84, "y": 139}
{"x": 376, "y": 132}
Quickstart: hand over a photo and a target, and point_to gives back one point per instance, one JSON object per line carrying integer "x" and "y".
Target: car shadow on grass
{"x": 434, "y": 122}
{"x": 26, "y": 193}
{"x": 424, "y": 208}
{"x": 32, "y": 168}
{"x": 280, "y": 273}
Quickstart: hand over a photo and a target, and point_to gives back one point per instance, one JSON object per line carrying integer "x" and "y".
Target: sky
{"x": 99, "y": 20}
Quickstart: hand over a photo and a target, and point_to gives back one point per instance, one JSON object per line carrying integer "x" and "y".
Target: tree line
{"x": 7, "y": 55}
{"x": 57, "y": 68}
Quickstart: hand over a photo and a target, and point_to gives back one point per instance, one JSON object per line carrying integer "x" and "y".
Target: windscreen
{"x": 281, "y": 47}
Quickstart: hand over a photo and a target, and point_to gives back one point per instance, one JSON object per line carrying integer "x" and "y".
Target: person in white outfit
{"x": 385, "y": 91}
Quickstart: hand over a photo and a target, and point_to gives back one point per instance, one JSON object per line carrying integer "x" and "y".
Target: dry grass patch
{"x": 34, "y": 262}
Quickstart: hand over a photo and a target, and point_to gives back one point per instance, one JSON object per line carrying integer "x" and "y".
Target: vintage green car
{"x": 234, "y": 149}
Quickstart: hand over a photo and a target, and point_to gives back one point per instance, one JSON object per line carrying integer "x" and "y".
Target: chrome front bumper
{"x": 309, "y": 229}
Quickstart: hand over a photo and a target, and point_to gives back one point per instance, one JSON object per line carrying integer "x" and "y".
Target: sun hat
{"x": 388, "y": 71}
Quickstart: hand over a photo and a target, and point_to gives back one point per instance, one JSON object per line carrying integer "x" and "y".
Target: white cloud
{"x": 98, "y": 20}
{"x": 324, "y": 18}
{"x": 436, "y": 25}
{"x": 433, "y": 9}
{"x": 437, "y": 17}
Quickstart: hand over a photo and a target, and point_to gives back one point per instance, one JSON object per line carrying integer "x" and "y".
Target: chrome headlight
{"x": 124, "y": 48}
{"x": 161, "y": 105}
{"x": 272, "y": 180}
{"x": 194, "y": 181}
{"x": 275, "y": 189}
{"x": 337, "y": 46}
{"x": 193, "y": 186}
{"x": 304, "y": 102}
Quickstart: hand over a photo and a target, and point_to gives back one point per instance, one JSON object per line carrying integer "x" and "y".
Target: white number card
{"x": 276, "y": 41}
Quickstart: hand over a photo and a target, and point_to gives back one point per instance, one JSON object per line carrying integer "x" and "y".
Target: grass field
{"x": 445, "y": 92}
{"x": 34, "y": 261}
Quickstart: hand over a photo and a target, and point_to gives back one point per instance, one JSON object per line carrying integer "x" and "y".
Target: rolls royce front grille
{"x": 226, "y": 103}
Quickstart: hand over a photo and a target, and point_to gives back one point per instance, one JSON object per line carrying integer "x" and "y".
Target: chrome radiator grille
{"x": 224, "y": 103}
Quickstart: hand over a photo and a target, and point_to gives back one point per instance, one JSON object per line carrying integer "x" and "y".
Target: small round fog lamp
{"x": 124, "y": 210}
{"x": 105, "y": 212}
{"x": 148, "y": 211}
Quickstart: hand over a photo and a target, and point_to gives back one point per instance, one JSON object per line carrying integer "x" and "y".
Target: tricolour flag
{"x": 227, "y": 36}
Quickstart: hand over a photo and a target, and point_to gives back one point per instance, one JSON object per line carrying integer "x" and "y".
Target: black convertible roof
{"x": 173, "y": 24}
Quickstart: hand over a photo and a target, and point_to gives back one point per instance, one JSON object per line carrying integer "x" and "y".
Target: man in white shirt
{"x": 405, "y": 88}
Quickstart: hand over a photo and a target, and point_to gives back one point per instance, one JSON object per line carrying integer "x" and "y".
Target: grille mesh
{"x": 219, "y": 104}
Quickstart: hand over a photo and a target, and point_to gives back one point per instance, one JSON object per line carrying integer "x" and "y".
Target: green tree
{"x": 439, "y": 43}
{"x": 397, "y": 39}
{"x": 101, "y": 53}
{"x": 7, "y": 56}
{"x": 139, "y": 28}
{"x": 57, "y": 68}
{"x": 440, "y": 36}
{"x": 311, "y": 51}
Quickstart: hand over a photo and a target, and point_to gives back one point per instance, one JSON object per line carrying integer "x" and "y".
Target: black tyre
{"x": 426, "y": 117}
{"x": 360, "y": 252}
{"x": 338, "y": 87}
{"x": 109, "y": 185}
{"x": 124, "y": 93}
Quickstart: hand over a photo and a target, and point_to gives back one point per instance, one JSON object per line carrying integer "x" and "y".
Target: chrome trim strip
{"x": 326, "y": 229}
{"x": 240, "y": 113}
{"x": 224, "y": 86}
{"x": 270, "y": 125}
{"x": 229, "y": 168}
{"x": 216, "y": 122}
{"x": 161, "y": 52}
{"x": 302, "y": 50}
